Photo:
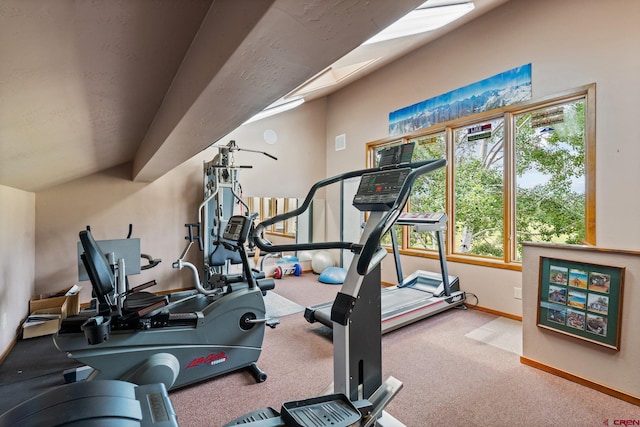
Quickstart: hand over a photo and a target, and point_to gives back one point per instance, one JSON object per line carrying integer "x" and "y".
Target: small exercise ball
{"x": 321, "y": 260}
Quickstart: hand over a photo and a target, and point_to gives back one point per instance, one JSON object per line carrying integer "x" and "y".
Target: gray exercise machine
{"x": 359, "y": 394}
{"x": 423, "y": 293}
{"x": 222, "y": 200}
{"x": 175, "y": 339}
{"x": 107, "y": 403}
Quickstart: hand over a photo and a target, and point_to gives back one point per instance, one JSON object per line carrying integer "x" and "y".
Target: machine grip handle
{"x": 266, "y": 246}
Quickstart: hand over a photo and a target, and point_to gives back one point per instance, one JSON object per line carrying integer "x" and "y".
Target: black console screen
{"x": 379, "y": 190}
{"x": 396, "y": 154}
{"x": 236, "y": 229}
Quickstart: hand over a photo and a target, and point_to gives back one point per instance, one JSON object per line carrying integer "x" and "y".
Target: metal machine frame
{"x": 360, "y": 395}
{"x": 95, "y": 404}
{"x": 423, "y": 293}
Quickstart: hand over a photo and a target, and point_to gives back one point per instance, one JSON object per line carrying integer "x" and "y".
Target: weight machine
{"x": 222, "y": 200}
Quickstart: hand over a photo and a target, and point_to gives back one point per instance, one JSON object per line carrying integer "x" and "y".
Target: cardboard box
{"x": 56, "y": 300}
{"x": 47, "y": 310}
{"x": 43, "y": 322}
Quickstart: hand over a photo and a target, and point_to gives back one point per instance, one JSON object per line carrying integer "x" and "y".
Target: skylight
{"x": 430, "y": 16}
{"x": 329, "y": 77}
{"x": 279, "y": 106}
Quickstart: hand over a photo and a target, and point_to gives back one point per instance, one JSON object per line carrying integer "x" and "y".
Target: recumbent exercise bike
{"x": 175, "y": 339}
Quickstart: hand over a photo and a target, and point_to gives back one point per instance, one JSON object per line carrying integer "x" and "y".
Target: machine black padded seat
{"x": 221, "y": 255}
{"x": 140, "y": 300}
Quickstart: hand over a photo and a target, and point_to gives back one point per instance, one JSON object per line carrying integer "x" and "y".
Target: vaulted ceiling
{"x": 86, "y": 85}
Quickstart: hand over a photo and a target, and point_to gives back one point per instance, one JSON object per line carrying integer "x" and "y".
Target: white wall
{"x": 299, "y": 149}
{"x": 109, "y": 201}
{"x": 617, "y": 370}
{"x": 570, "y": 43}
{"x": 17, "y": 247}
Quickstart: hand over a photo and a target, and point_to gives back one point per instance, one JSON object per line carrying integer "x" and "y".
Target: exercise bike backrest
{"x": 369, "y": 249}
{"x": 98, "y": 269}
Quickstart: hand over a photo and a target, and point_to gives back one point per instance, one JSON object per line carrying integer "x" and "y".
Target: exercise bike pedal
{"x": 259, "y": 374}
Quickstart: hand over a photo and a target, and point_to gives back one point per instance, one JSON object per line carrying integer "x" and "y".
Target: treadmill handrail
{"x": 266, "y": 246}
{"x": 387, "y": 221}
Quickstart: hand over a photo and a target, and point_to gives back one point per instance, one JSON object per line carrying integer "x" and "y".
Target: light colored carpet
{"x": 278, "y": 306}
{"x": 502, "y": 333}
{"x": 449, "y": 377}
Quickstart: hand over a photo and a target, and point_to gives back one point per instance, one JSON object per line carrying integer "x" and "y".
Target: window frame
{"x": 508, "y": 114}
{"x": 268, "y": 208}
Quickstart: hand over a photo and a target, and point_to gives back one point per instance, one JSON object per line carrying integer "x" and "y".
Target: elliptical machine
{"x": 360, "y": 394}
{"x": 174, "y": 339}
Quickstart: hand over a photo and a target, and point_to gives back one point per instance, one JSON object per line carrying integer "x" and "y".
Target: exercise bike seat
{"x": 137, "y": 299}
{"x": 141, "y": 300}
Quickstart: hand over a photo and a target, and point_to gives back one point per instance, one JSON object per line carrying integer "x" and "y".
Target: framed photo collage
{"x": 582, "y": 300}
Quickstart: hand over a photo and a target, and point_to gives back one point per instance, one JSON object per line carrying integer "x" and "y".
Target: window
{"x": 278, "y": 227}
{"x": 291, "y": 223}
{"x": 268, "y": 207}
{"x": 520, "y": 173}
{"x": 550, "y": 175}
{"x": 478, "y": 170}
{"x": 429, "y": 192}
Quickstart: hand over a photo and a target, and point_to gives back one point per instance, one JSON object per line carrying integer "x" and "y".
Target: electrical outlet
{"x": 517, "y": 292}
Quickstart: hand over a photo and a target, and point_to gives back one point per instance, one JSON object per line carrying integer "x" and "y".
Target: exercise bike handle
{"x": 266, "y": 246}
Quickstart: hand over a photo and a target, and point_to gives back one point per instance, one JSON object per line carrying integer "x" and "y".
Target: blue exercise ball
{"x": 333, "y": 275}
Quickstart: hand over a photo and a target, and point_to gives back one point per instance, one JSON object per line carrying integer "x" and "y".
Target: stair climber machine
{"x": 423, "y": 293}
{"x": 176, "y": 339}
{"x": 359, "y": 394}
{"x": 222, "y": 200}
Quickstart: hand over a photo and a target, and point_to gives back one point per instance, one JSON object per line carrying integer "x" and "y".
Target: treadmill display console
{"x": 396, "y": 154}
{"x": 379, "y": 190}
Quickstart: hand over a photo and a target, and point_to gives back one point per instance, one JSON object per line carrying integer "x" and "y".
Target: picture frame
{"x": 581, "y": 300}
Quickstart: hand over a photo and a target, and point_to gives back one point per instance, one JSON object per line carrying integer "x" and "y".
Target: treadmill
{"x": 423, "y": 293}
